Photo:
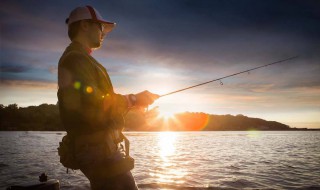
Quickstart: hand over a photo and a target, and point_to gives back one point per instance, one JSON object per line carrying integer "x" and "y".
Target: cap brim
{"x": 108, "y": 26}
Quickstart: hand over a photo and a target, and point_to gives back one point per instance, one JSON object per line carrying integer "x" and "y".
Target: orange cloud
{"x": 28, "y": 84}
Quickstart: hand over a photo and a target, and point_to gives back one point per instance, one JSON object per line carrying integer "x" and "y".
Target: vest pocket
{"x": 90, "y": 155}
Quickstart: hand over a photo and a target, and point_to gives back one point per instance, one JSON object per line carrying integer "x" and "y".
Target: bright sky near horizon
{"x": 162, "y": 46}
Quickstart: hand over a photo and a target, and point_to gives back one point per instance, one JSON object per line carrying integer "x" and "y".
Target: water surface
{"x": 189, "y": 160}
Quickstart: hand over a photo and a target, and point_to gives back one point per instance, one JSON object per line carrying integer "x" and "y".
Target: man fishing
{"x": 91, "y": 112}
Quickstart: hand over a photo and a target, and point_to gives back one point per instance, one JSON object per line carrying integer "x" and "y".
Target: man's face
{"x": 95, "y": 34}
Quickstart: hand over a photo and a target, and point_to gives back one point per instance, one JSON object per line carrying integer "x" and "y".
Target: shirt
{"x": 87, "y": 101}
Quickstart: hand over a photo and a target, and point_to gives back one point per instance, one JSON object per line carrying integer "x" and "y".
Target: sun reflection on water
{"x": 166, "y": 144}
{"x": 253, "y": 134}
{"x": 168, "y": 170}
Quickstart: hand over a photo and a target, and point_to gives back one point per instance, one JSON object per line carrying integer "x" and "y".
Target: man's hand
{"x": 145, "y": 98}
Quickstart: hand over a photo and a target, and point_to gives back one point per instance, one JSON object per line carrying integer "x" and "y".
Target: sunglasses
{"x": 101, "y": 26}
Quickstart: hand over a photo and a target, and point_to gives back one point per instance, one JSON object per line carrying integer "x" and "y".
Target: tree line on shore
{"x": 45, "y": 117}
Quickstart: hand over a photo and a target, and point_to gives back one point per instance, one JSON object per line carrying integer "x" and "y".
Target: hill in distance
{"x": 46, "y": 117}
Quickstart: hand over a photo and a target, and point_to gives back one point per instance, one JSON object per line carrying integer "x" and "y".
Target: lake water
{"x": 185, "y": 160}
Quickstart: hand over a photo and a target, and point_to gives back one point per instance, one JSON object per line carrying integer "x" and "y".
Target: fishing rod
{"x": 219, "y": 79}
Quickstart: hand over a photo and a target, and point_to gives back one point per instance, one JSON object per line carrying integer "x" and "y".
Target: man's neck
{"x": 84, "y": 45}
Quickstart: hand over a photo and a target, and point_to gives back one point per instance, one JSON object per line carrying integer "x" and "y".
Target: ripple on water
{"x": 210, "y": 160}
{"x": 2, "y": 165}
{"x": 240, "y": 183}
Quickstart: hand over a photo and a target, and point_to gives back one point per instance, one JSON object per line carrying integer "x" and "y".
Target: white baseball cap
{"x": 89, "y": 13}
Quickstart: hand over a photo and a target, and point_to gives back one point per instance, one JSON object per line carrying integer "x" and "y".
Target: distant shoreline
{"x": 169, "y": 131}
{"x": 46, "y": 117}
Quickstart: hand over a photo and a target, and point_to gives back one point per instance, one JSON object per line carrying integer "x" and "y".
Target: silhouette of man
{"x": 90, "y": 110}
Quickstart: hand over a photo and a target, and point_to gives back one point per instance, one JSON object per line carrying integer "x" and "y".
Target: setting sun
{"x": 166, "y": 114}
{"x": 163, "y": 113}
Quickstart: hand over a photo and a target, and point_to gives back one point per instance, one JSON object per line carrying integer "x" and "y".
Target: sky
{"x": 166, "y": 45}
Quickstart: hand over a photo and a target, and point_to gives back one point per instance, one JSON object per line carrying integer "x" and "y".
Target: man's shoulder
{"x": 73, "y": 54}
{"x": 72, "y": 57}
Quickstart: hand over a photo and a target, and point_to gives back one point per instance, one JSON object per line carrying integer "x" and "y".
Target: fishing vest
{"x": 86, "y": 99}
{"x": 92, "y": 114}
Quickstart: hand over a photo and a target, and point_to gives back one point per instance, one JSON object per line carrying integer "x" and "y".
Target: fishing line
{"x": 219, "y": 79}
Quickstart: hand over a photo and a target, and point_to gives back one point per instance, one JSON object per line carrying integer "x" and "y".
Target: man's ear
{"x": 84, "y": 25}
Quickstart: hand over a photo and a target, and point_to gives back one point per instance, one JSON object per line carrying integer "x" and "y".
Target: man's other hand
{"x": 145, "y": 98}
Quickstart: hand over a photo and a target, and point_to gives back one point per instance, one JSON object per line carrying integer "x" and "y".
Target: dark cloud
{"x": 200, "y": 34}
{"x": 198, "y": 38}
{"x": 17, "y": 71}
{"x": 172, "y": 21}
{"x": 13, "y": 68}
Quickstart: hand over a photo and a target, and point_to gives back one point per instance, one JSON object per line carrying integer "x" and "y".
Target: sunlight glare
{"x": 166, "y": 114}
{"x": 167, "y": 144}
{"x": 253, "y": 134}
{"x": 169, "y": 171}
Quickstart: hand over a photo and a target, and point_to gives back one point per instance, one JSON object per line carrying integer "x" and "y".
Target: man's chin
{"x": 96, "y": 45}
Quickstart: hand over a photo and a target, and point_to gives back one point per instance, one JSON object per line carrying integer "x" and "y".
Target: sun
{"x": 163, "y": 113}
{"x": 166, "y": 115}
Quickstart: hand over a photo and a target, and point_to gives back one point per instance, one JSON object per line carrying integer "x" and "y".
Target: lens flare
{"x": 77, "y": 85}
{"x": 89, "y": 89}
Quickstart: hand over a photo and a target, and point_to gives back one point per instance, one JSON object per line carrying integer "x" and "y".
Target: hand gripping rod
{"x": 218, "y": 79}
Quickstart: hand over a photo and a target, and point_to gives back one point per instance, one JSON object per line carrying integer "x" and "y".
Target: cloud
{"x": 13, "y": 69}
{"x": 29, "y": 72}
{"x": 164, "y": 45}
{"x": 182, "y": 35}
{"x": 53, "y": 69}
{"x": 25, "y": 84}
{"x": 24, "y": 27}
